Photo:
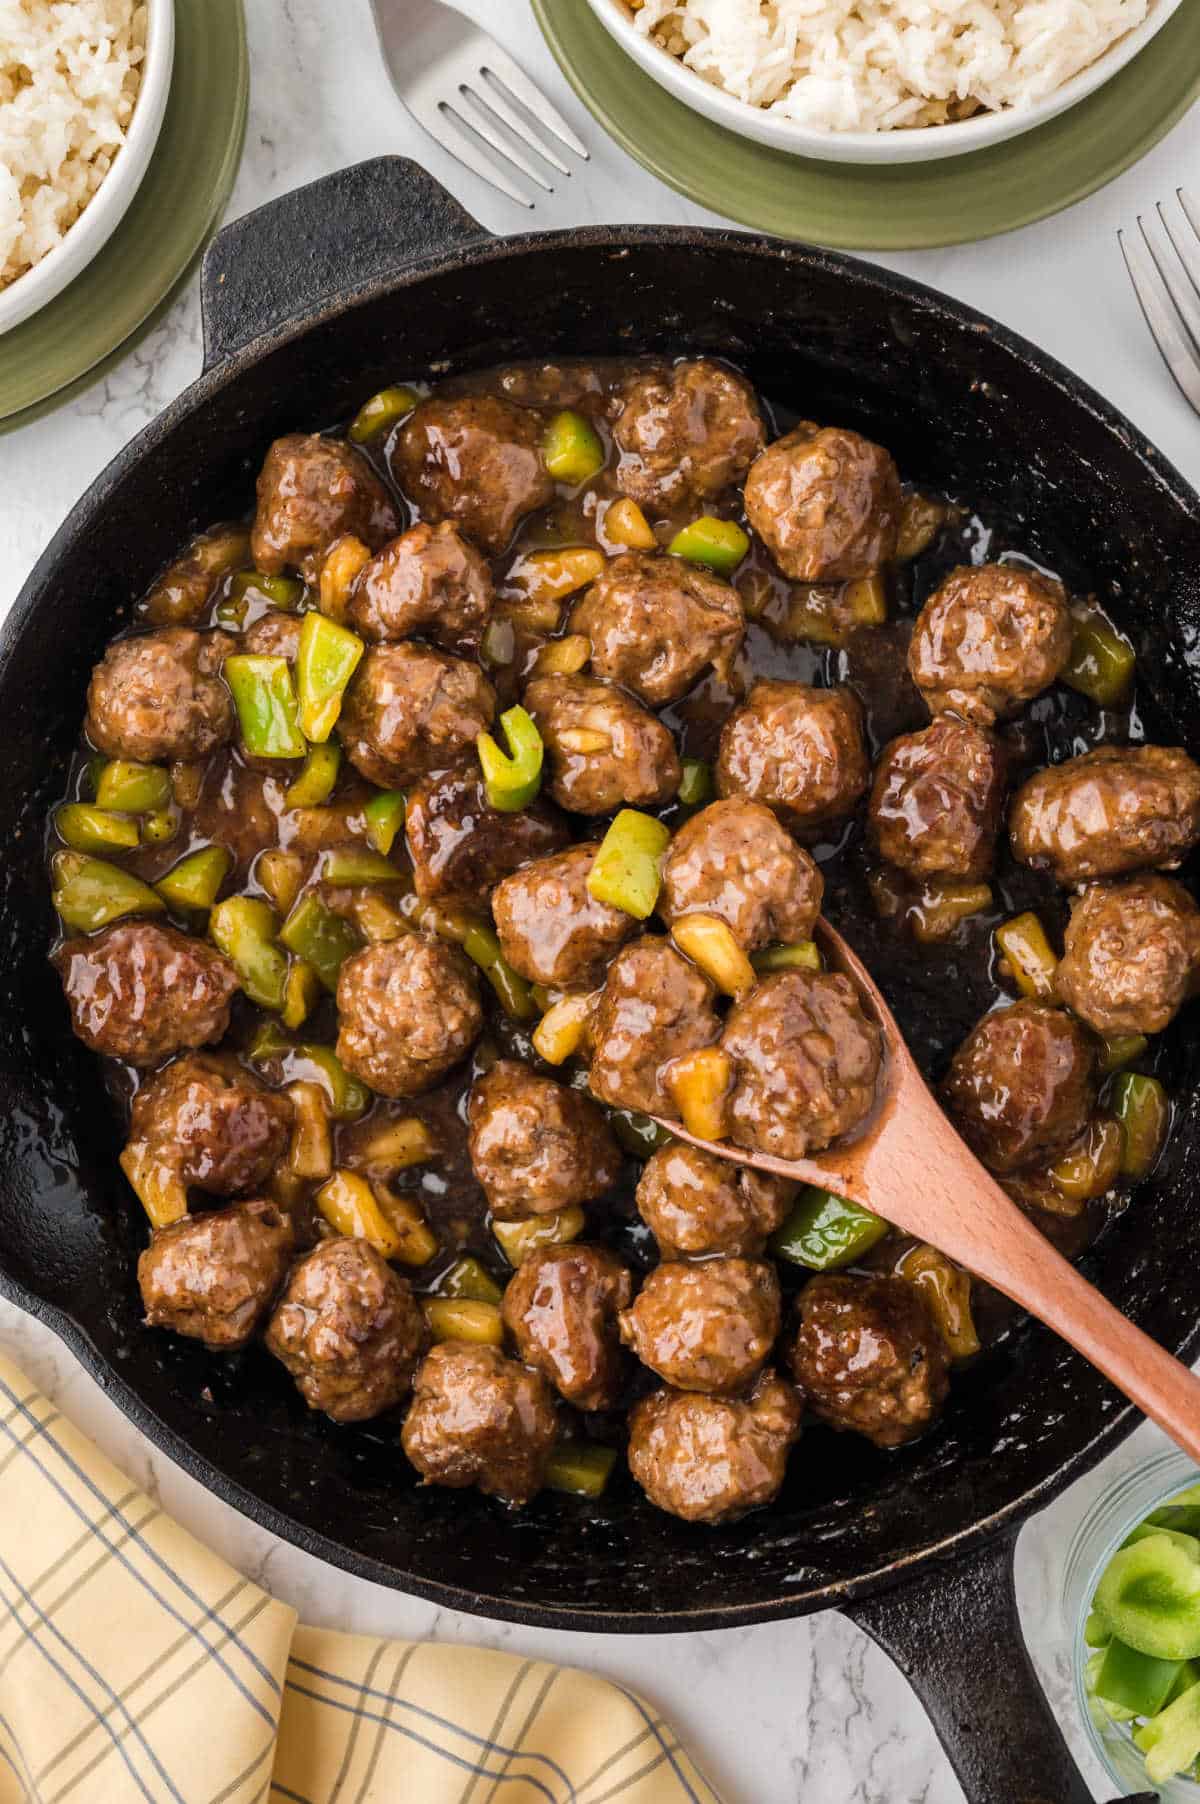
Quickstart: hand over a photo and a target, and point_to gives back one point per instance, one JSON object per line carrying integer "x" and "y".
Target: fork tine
{"x": 1191, "y": 209}
{"x": 1187, "y": 256}
{"x": 1187, "y": 304}
{"x": 498, "y": 63}
{"x": 498, "y": 102}
{"x": 477, "y": 116}
{"x": 1164, "y": 330}
{"x": 444, "y": 124}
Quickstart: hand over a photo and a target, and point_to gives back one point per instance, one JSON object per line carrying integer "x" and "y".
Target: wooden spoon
{"x": 911, "y": 1167}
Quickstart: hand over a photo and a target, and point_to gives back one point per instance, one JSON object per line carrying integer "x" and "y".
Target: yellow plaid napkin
{"x": 136, "y": 1665}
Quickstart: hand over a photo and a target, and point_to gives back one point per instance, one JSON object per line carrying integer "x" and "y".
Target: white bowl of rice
{"x": 882, "y": 81}
{"x": 83, "y": 90}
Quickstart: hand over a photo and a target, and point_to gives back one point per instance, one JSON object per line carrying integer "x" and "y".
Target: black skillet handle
{"x": 956, "y": 1636}
{"x": 328, "y": 241}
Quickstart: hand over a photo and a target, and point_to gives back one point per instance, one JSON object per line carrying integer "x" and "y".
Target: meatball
{"x": 561, "y": 1310}
{"x": 429, "y": 580}
{"x": 734, "y": 860}
{"x": 805, "y": 1061}
{"x": 1132, "y": 955}
{"x": 536, "y": 1146}
{"x": 686, "y": 433}
{"x": 408, "y": 1011}
{"x": 988, "y": 640}
{"x": 161, "y": 697}
{"x": 799, "y": 750}
{"x": 1116, "y": 809}
{"x": 705, "y": 1327}
{"x": 868, "y": 1356}
{"x": 655, "y": 1007}
{"x": 311, "y": 490}
{"x": 552, "y": 930}
{"x": 461, "y": 846}
{"x": 213, "y": 1277}
{"x": 937, "y": 799}
{"x": 480, "y": 1419}
{"x": 141, "y": 993}
{"x": 409, "y": 711}
{"x": 1022, "y": 1084}
{"x": 826, "y": 503}
{"x": 349, "y": 1331}
{"x": 695, "y": 1203}
{"x": 213, "y": 1123}
{"x": 604, "y": 750}
{"x": 656, "y": 622}
{"x": 273, "y": 635}
{"x": 708, "y": 1459}
{"x": 475, "y": 460}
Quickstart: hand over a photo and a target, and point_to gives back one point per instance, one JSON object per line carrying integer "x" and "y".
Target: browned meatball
{"x": 937, "y": 799}
{"x": 805, "y": 1061}
{"x": 551, "y": 929}
{"x": 213, "y": 1277}
{"x": 480, "y": 1419}
{"x": 208, "y": 1119}
{"x": 868, "y": 1356}
{"x": 273, "y": 635}
{"x": 429, "y": 580}
{"x": 826, "y": 503}
{"x": 686, "y": 433}
{"x": 988, "y": 640}
{"x": 160, "y": 696}
{"x": 705, "y": 1327}
{"x": 409, "y": 711}
{"x": 349, "y": 1331}
{"x": 799, "y": 750}
{"x": 696, "y": 1204}
{"x": 734, "y": 860}
{"x": 461, "y": 846}
{"x": 1022, "y": 1084}
{"x": 408, "y": 1010}
{"x": 655, "y": 1007}
{"x": 536, "y": 1146}
{"x": 709, "y": 1459}
{"x": 311, "y": 490}
{"x": 604, "y": 750}
{"x": 184, "y": 589}
{"x": 1117, "y": 809}
{"x": 561, "y": 1310}
{"x": 475, "y": 460}
{"x": 1132, "y": 955}
{"x": 656, "y": 622}
{"x": 142, "y": 993}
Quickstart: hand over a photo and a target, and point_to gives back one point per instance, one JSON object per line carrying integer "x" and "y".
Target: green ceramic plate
{"x": 863, "y": 207}
{"x": 133, "y": 279}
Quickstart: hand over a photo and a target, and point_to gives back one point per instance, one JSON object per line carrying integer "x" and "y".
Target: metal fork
{"x": 468, "y": 93}
{"x": 1171, "y": 306}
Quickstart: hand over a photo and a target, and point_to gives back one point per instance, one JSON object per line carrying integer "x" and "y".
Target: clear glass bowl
{"x": 1115, "y": 1512}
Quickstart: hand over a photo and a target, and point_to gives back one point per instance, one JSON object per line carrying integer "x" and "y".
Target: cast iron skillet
{"x": 310, "y": 304}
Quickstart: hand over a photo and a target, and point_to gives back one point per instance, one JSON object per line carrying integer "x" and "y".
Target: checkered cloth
{"x": 136, "y": 1665}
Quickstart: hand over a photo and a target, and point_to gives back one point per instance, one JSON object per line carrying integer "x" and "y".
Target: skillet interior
{"x": 964, "y": 410}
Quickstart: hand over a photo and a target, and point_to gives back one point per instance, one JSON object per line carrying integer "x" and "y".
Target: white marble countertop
{"x": 805, "y": 1710}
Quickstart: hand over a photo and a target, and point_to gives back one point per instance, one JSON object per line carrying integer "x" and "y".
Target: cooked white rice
{"x": 69, "y": 74}
{"x": 874, "y": 65}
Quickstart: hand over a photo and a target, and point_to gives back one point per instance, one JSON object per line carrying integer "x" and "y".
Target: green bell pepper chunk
{"x": 1096, "y": 1631}
{"x": 317, "y": 778}
{"x": 1119, "y": 1050}
{"x": 1140, "y": 1105}
{"x": 381, "y": 412}
{"x": 161, "y": 827}
{"x": 283, "y": 592}
{"x": 825, "y": 1231}
{"x": 89, "y": 893}
{"x": 329, "y": 655}
{"x": 469, "y": 1278}
{"x": 637, "y": 1133}
{"x": 719, "y": 545}
{"x": 305, "y": 1060}
{"x": 1135, "y": 1682}
{"x": 512, "y": 781}
{"x": 195, "y": 881}
{"x": 265, "y": 699}
{"x": 315, "y": 934}
{"x": 1187, "y": 1676}
{"x": 1100, "y": 664}
{"x": 571, "y": 448}
{"x": 482, "y": 946}
{"x": 580, "y": 1468}
{"x": 1149, "y": 1595}
{"x": 244, "y": 929}
{"x": 384, "y": 816}
{"x": 357, "y": 864}
{"x": 1171, "y": 1740}
{"x": 801, "y": 955}
{"x": 130, "y": 788}
{"x": 626, "y": 872}
{"x": 88, "y": 829}
{"x": 696, "y": 783}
